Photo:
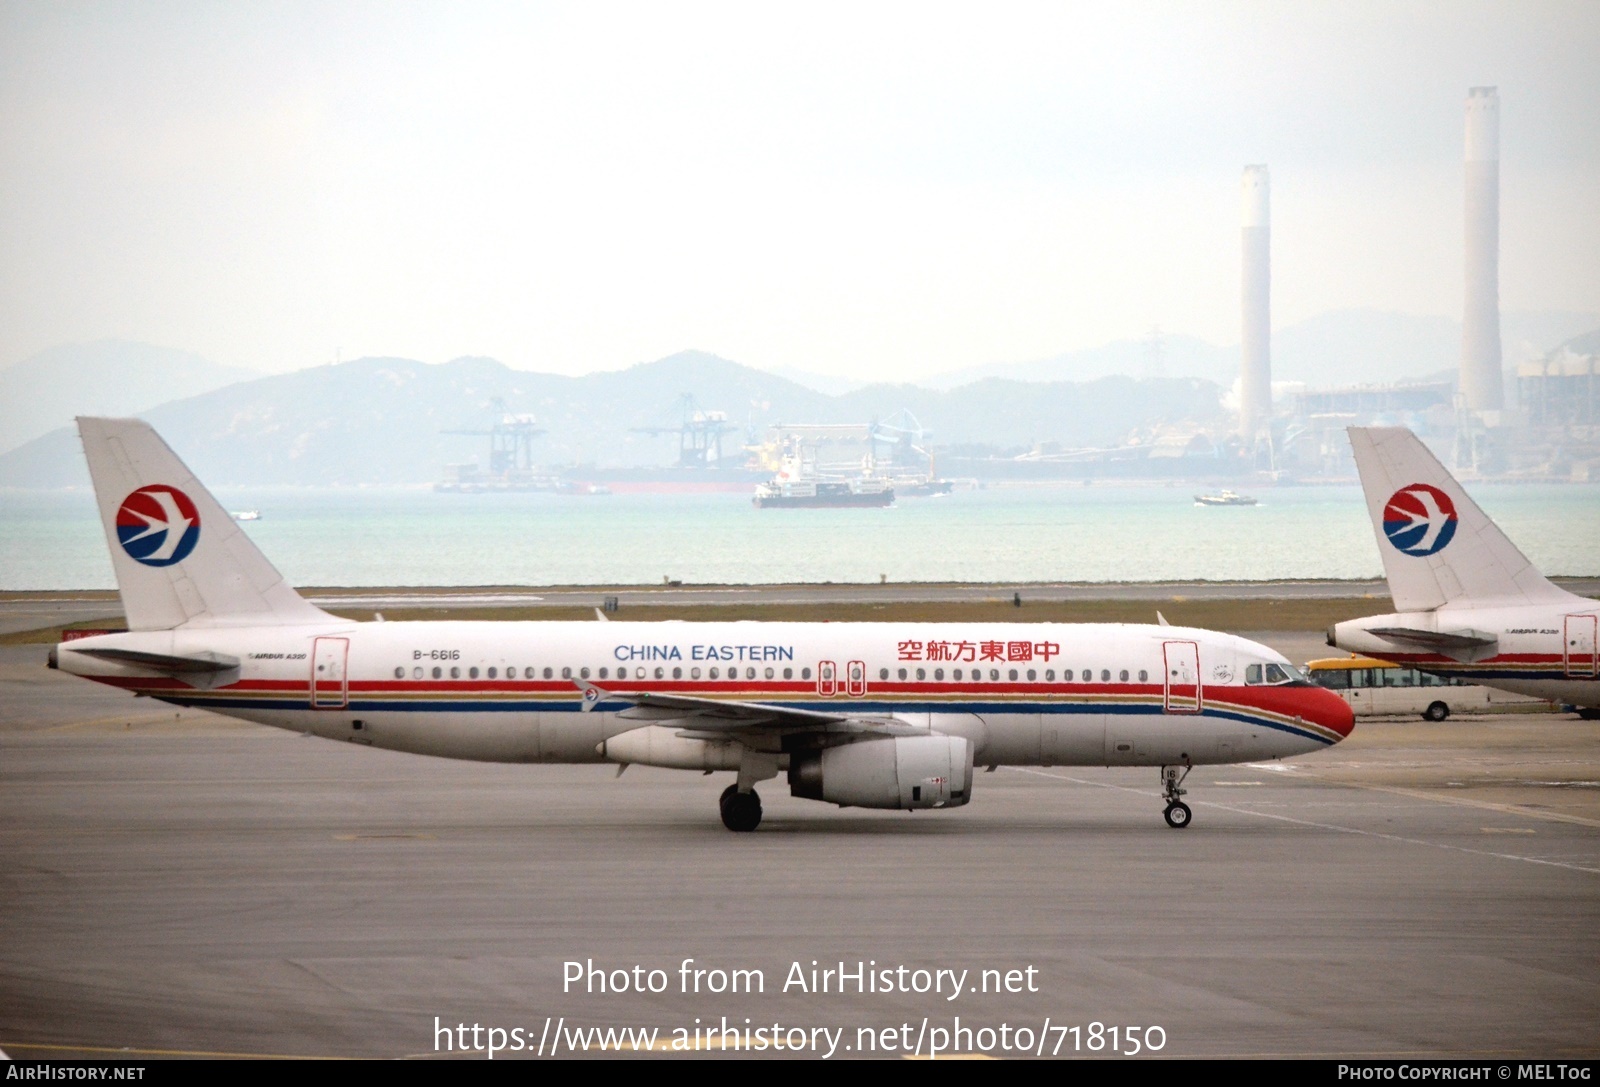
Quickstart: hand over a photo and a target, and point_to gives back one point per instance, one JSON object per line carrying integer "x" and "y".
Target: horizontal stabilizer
{"x": 1462, "y": 645}
{"x": 163, "y": 662}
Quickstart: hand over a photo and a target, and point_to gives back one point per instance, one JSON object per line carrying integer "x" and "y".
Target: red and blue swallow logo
{"x": 1419, "y": 519}
{"x": 158, "y": 525}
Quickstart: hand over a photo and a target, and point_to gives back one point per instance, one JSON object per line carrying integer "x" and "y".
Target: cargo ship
{"x": 810, "y": 494}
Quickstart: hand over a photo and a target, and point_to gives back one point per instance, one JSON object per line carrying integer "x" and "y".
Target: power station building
{"x": 1482, "y": 387}
{"x": 1255, "y": 384}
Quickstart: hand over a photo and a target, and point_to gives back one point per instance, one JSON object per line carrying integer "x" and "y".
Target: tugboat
{"x": 1224, "y": 498}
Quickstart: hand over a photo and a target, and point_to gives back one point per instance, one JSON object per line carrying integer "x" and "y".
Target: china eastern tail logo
{"x": 158, "y": 525}
{"x": 1419, "y": 519}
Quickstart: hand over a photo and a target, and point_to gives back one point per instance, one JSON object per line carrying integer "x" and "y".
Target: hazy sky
{"x": 880, "y": 190}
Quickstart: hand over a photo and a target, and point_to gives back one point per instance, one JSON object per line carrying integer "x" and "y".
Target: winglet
{"x": 591, "y": 694}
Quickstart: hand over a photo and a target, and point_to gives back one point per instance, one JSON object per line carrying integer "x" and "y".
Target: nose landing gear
{"x": 1177, "y": 813}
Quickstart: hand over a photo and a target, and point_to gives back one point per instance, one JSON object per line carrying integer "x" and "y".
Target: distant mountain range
{"x": 384, "y": 421}
{"x": 1345, "y": 347}
{"x": 110, "y": 377}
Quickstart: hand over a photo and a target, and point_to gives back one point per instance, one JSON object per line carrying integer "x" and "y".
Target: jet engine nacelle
{"x": 657, "y": 745}
{"x": 901, "y": 772}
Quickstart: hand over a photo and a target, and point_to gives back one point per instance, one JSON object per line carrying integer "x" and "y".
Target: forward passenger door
{"x": 1181, "y": 688}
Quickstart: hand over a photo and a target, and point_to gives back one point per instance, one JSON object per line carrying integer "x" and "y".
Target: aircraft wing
{"x": 726, "y": 716}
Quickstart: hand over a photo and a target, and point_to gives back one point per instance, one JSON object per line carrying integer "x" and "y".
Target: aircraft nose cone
{"x": 1333, "y": 713}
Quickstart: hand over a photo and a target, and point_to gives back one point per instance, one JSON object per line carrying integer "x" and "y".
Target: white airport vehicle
{"x": 874, "y": 715}
{"x": 1468, "y": 604}
{"x": 1376, "y": 688}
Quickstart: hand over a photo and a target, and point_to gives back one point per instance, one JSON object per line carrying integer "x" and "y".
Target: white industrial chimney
{"x": 1481, "y": 384}
{"x": 1255, "y": 387}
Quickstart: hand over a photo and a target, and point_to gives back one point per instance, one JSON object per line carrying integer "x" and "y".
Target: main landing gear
{"x": 1177, "y": 813}
{"x": 740, "y": 811}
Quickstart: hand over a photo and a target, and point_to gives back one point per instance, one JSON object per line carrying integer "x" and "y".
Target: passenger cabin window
{"x": 788, "y": 673}
{"x": 399, "y": 673}
{"x": 805, "y": 673}
{"x": 472, "y": 673}
{"x": 493, "y": 672}
{"x": 713, "y": 673}
{"x": 1144, "y": 676}
{"x": 1122, "y": 676}
{"x": 677, "y": 673}
{"x": 416, "y": 673}
{"x": 922, "y": 673}
{"x": 1087, "y": 675}
{"x": 566, "y": 673}
{"x": 938, "y": 673}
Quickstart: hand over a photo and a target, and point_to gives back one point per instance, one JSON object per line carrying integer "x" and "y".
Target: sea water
{"x": 1070, "y": 532}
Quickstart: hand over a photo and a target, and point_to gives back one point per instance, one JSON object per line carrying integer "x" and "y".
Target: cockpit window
{"x": 1272, "y": 675}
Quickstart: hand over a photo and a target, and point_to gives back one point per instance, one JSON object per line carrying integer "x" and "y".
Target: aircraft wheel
{"x": 729, "y": 791}
{"x": 1178, "y": 815}
{"x": 741, "y": 812}
{"x": 1438, "y": 711}
{"x": 1589, "y": 714}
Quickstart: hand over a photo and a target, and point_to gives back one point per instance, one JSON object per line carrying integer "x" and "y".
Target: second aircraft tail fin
{"x": 179, "y": 557}
{"x": 1438, "y": 547}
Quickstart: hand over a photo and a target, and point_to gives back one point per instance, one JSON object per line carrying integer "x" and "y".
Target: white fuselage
{"x": 1031, "y": 694}
{"x": 1546, "y": 652}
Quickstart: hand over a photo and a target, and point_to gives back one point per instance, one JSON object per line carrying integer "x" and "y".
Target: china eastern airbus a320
{"x": 1468, "y": 604}
{"x": 872, "y": 715}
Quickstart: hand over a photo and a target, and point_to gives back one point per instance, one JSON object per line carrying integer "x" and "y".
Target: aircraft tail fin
{"x": 1438, "y": 547}
{"x": 179, "y": 557}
